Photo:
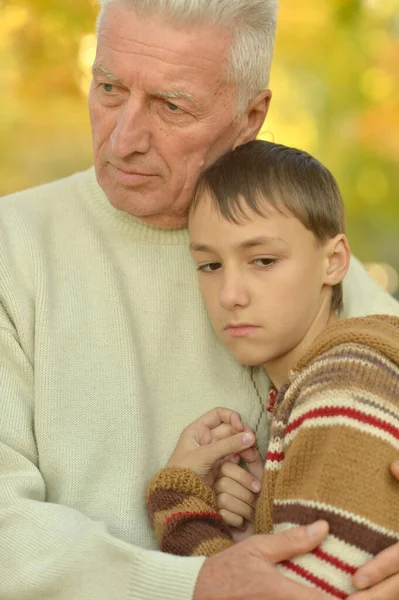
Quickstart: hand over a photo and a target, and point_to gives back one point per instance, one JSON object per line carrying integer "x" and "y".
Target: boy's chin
{"x": 250, "y": 361}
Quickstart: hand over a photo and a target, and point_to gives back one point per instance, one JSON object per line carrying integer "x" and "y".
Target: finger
{"x": 235, "y": 459}
{"x": 231, "y": 518}
{"x": 282, "y": 546}
{"x": 236, "y": 506}
{"x": 248, "y": 455}
{"x": 225, "y": 485}
{"x": 383, "y": 565}
{"x": 202, "y": 429}
{"x": 220, "y": 415}
{"x": 231, "y": 445}
{"x": 222, "y": 431}
{"x": 387, "y": 590}
{"x": 395, "y": 469}
{"x": 255, "y": 464}
{"x": 241, "y": 476}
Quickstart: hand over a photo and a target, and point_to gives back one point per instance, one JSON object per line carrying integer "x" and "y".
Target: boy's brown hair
{"x": 261, "y": 174}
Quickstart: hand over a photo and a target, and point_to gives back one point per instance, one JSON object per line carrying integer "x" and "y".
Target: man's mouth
{"x": 131, "y": 178}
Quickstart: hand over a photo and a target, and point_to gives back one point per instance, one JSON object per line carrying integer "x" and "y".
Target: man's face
{"x": 160, "y": 112}
{"x": 261, "y": 280}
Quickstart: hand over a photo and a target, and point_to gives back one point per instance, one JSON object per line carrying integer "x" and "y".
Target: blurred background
{"x": 335, "y": 82}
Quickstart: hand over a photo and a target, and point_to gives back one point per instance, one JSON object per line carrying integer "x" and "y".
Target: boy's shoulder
{"x": 343, "y": 338}
{"x": 353, "y": 361}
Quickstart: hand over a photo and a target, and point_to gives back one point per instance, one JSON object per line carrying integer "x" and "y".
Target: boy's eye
{"x": 264, "y": 262}
{"x": 209, "y": 267}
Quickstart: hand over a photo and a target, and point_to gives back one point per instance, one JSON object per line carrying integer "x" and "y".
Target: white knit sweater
{"x": 105, "y": 356}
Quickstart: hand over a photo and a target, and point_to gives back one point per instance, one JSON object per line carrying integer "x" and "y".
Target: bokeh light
{"x": 385, "y": 275}
{"x": 335, "y": 83}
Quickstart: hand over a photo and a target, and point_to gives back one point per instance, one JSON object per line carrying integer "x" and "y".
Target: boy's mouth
{"x": 241, "y": 329}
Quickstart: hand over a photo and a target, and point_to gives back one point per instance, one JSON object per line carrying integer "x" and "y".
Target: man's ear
{"x": 337, "y": 259}
{"x": 253, "y": 118}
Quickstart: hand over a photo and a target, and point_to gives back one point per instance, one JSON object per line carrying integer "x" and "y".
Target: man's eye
{"x": 264, "y": 262}
{"x": 172, "y": 107}
{"x": 209, "y": 267}
{"x": 108, "y": 87}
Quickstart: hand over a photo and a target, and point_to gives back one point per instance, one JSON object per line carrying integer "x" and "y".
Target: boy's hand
{"x": 204, "y": 444}
{"x": 237, "y": 491}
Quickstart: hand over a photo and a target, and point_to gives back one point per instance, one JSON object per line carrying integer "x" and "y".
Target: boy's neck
{"x": 278, "y": 369}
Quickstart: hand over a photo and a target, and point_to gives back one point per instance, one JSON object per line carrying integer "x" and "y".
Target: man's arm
{"x": 53, "y": 551}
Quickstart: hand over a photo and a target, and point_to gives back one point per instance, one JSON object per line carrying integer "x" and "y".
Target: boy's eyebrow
{"x": 257, "y": 241}
{"x": 262, "y": 240}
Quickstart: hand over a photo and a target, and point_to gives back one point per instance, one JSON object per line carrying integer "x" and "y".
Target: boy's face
{"x": 263, "y": 280}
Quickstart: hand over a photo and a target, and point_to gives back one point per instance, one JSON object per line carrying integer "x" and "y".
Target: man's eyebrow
{"x": 98, "y": 68}
{"x": 174, "y": 95}
{"x": 250, "y": 243}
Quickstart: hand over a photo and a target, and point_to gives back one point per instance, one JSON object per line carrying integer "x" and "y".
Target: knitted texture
{"x": 183, "y": 512}
{"x": 106, "y": 355}
{"x": 334, "y": 431}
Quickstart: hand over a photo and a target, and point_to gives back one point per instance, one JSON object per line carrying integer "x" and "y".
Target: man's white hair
{"x": 252, "y": 22}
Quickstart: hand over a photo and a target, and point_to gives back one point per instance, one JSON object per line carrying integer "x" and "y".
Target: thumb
{"x": 230, "y": 445}
{"x": 395, "y": 469}
{"x": 282, "y": 546}
{"x": 254, "y": 463}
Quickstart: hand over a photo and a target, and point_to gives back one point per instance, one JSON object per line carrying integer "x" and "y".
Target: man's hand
{"x": 247, "y": 571}
{"x": 204, "y": 444}
{"x": 382, "y": 572}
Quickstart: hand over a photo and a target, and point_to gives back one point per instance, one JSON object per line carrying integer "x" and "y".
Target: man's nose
{"x": 132, "y": 131}
{"x": 234, "y": 292}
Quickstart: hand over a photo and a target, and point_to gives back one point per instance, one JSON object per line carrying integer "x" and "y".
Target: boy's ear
{"x": 337, "y": 259}
{"x": 253, "y": 118}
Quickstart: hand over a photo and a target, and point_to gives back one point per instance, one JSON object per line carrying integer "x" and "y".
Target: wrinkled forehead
{"x": 154, "y": 30}
{"x": 147, "y": 51}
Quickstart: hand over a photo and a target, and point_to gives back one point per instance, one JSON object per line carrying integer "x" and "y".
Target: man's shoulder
{"x": 47, "y": 197}
{"x": 363, "y": 296}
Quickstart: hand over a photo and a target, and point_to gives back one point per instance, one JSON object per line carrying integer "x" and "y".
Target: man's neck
{"x": 166, "y": 221}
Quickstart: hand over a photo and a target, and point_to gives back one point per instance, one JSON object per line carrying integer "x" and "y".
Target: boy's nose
{"x": 233, "y": 294}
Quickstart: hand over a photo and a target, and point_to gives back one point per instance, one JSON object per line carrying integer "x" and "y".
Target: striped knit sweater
{"x": 334, "y": 431}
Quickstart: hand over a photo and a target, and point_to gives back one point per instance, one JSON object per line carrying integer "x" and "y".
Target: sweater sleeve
{"x": 341, "y": 436}
{"x": 53, "y": 551}
{"x": 183, "y": 512}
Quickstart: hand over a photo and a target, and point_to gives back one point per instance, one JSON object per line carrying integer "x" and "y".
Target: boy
{"x": 267, "y": 235}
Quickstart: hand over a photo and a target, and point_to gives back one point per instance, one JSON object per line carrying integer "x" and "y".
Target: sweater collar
{"x": 126, "y": 224}
{"x": 380, "y": 332}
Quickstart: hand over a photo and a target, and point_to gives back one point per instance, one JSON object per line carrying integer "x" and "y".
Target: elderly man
{"x": 106, "y": 352}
